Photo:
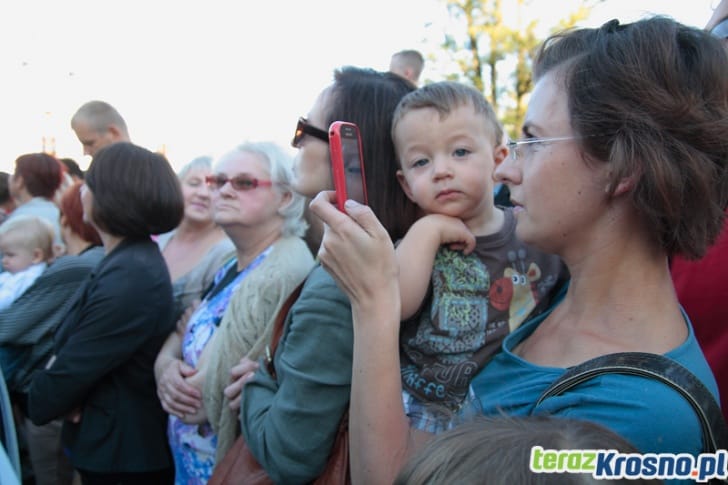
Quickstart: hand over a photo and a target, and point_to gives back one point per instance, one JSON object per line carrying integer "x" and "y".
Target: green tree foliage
{"x": 496, "y": 56}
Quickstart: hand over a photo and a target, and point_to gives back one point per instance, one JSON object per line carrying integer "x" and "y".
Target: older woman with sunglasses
{"x": 610, "y": 179}
{"x": 253, "y": 202}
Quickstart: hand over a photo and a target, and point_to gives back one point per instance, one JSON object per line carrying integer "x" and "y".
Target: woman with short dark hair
{"x": 101, "y": 374}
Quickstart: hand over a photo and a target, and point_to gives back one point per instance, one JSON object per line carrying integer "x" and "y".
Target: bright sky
{"x": 201, "y": 77}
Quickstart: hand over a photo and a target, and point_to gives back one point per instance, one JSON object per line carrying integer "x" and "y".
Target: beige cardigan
{"x": 246, "y": 329}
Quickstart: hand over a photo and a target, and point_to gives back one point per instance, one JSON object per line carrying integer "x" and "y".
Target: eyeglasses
{"x": 721, "y": 30}
{"x": 519, "y": 148}
{"x": 239, "y": 183}
{"x": 303, "y": 128}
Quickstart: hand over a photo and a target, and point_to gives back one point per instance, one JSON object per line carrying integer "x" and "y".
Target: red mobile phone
{"x": 347, "y": 163}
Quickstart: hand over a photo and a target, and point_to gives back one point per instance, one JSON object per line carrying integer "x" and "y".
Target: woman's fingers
{"x": 176, "y": 395}
{"x": 356, "y": 249}
{"x": 235, "y": 390}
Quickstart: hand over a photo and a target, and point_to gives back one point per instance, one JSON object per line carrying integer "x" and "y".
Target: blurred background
{"x": 197, "y": 78}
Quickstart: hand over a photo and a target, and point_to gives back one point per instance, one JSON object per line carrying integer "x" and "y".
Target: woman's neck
{"x": 75, "y": 245}
{"x": 190, "y": 231}
{"x": 250, "y": 243}
{"x": 22, "y": 197}
{"x": 620, "y": 298}
{"x": 109, "y": 241}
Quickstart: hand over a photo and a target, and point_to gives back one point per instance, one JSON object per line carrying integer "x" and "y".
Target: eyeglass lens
{"x": 239, "y": 183}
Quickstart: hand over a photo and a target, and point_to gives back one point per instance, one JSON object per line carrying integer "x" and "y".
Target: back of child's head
{"x": 497, "y": 450}
{"x": 30, "y": 232}
{"x": 445, "y": 97}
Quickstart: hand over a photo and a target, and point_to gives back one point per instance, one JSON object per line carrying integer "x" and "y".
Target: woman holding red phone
{"x": 290, "y": 420}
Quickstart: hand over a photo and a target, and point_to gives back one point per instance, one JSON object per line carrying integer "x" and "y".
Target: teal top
{"x": 654, "y": 417}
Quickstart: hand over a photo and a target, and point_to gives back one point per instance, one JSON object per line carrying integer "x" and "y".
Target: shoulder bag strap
{"x": 278, "y": 325}
{"x": 336, "y": 471}
{"x": 663, "y": 369}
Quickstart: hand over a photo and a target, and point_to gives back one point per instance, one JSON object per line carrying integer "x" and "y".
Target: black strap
{"x": 663, "y": 369}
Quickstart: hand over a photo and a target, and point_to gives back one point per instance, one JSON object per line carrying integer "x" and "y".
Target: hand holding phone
{"x": 347, "y": 164}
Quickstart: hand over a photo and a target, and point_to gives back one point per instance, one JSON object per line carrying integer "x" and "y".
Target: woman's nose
{"x": 507, "y": 171}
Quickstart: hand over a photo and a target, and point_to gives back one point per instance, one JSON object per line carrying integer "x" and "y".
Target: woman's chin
{"x": 198, "y": 217}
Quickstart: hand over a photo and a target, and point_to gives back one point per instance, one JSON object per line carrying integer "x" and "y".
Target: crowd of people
{"x": 150, "y": 320}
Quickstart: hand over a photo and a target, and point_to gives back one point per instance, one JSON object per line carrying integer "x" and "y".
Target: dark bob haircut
{"x": 650, "y": 98}
{"x": 368, "y": 98}
{"x": 42, "y": 173}
{"x": 136, "y": 192}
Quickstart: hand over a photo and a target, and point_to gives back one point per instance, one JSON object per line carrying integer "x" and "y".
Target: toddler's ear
{"x": 500, "y": 153}
{"x": 405, "y": 186}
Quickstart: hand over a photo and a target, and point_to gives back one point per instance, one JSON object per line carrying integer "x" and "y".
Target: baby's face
{"x": 16, "y": 258}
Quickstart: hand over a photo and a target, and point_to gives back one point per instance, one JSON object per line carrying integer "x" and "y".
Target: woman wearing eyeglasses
{"x": 614, "y": 181}
{"x": 253, "y": 202}
{"x": 100, "y": 377}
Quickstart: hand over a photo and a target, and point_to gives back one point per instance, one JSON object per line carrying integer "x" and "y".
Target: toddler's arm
{"x": 416, "y": 255}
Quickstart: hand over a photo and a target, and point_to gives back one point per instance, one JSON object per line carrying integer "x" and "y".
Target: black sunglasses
{"x": 303, "y": 128}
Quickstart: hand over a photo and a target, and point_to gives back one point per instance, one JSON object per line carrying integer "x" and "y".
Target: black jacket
{"x": 105, "y": 349}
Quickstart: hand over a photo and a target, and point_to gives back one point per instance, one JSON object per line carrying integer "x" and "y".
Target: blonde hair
{"x": 31, "y": 232}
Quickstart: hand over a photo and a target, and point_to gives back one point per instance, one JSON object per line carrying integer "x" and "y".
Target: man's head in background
{"x": 98, "y": 124}
{"x": 408, "y": 64}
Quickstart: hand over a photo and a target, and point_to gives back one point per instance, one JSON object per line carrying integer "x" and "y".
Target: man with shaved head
{"x": 98, "y": 124}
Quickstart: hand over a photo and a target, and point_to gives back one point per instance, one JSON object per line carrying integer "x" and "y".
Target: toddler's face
{"x": 16, "y": 258}
{"x": 447, "y": 163}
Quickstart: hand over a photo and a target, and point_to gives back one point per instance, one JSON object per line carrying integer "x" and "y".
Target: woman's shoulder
{"x": 224, "y": 245}
{"x": 651, "y": 414}
{"x": 64, "y": 267}
{"x": 216, "y": 257}
{"x": 290, "y": 252}
{"x": 91, "y": 256}
{"x": 138, "y": 262}
{"x": 320, "y": 280}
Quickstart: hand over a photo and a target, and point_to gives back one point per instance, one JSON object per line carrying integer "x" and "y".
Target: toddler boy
{"x": 466, "y": 281}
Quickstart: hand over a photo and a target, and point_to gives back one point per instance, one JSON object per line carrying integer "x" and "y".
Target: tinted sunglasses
{"x": 239, "y": 182}
{"x": 303, "y": 128}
